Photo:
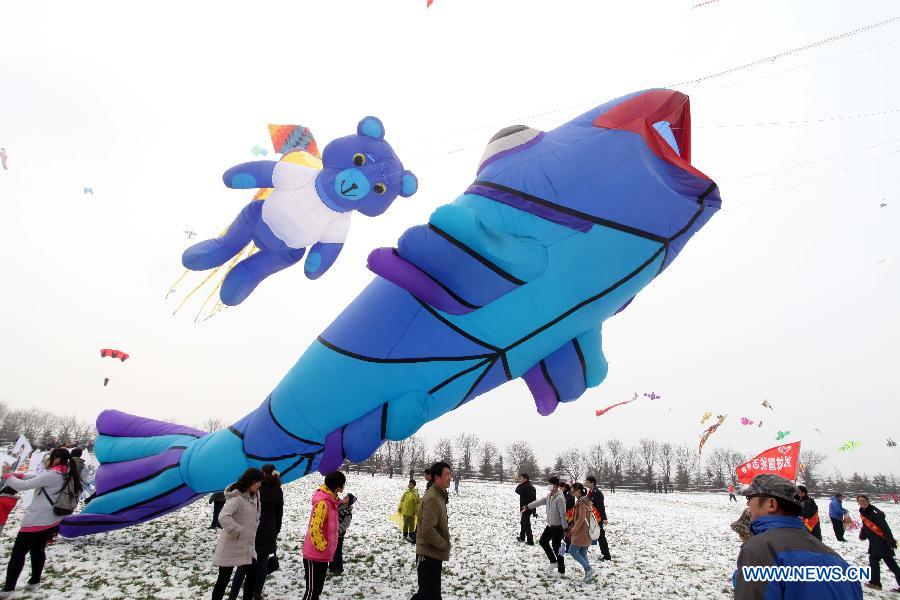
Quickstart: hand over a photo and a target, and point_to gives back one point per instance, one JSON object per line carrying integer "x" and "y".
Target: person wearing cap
{"x": 557, "y": 524}
{"x": 781, "y": 539}
{"x": 837, "y": 513}
{"x": 809, "y": 511}
{"x": 875, "y": 529}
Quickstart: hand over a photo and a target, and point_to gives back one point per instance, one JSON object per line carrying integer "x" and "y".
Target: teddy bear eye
{"x": 379, "y": 188}
{"x": 359, "y": 159}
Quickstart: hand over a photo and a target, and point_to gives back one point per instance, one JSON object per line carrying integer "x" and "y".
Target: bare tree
{"x": 717, "y": 467}
{"x": 685, "y": 462}
{"x": 488, "y": 459}
{"x": 213, "y": 424}
{"x": 649, "y": 451}
{"x": 418, "y": 450}
{"x": 521, "y": 458}
{"x": 733, "y": 460}
{"x": 666, "y": 460}
{"x": 616, "y": 456}
{"x": 443, "y": 451}
{"x": 466, "y": 446}
{"x": 573, "y": 463}
{"x": 595, "y": 458}
{"x": 811, "y": 461}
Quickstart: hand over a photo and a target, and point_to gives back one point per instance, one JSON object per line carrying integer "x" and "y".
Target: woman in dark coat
{"x": 881, "y": 541}
{"x": 271, "y": 499}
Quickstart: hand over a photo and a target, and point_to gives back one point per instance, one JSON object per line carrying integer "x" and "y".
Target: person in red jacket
{"x": 322, "y": 534}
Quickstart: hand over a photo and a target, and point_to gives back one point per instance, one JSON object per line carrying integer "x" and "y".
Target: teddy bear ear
{"x": 409, "y": 184}
{"x": 371, "y": 127}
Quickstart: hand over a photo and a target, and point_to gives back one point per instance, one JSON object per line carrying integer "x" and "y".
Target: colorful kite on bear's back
{"x": 288, "y": 138}
{"x": 109, "y": 353}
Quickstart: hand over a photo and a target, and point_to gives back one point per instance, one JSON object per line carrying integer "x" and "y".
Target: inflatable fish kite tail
{"x": 511, "y": 280}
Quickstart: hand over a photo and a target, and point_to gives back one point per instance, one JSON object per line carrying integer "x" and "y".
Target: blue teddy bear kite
{"x": 308, "y": 208}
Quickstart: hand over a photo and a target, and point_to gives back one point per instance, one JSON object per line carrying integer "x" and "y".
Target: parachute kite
{"x": 514, "y": 279}
{"x": 705, "y": 417}
{"x": 781, "y": 435}
{"x": 89, "y": 190}
{"x": 709, "y": 431}
{"x": 108, "y": 353}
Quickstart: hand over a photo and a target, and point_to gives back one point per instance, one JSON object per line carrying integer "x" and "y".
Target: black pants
{"x": 875, "y": 564}
{"x": 838, "y": 526}
{"x": 429, "y": 575}
{"x": 252, "y": 577}
{"x": 315, "y": 573}
{"x": 604, "y": 545}
{"x": 217, "y": 508}
{"x": 525, "y": 534}
{"x": 731, "y": 496}
{"x": 550, "y": 541}
{"x": 222, "y": 582}
{"x": 27, "y": 542}
{"x": 337, "y": 563}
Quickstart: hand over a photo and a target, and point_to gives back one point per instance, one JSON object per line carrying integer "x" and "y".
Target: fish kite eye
{"x": 379, "y": 188}
{"x": 359, "y": 159}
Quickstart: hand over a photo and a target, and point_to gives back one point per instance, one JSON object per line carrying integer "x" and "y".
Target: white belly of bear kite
{"x": 299, "y": 218}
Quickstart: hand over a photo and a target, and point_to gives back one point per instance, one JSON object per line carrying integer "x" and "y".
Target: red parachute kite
{"x": 107, "y": 352}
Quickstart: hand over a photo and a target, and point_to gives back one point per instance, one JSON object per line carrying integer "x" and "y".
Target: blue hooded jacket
{"x": 784, "y": 541}
{"x": 836, "y": 509}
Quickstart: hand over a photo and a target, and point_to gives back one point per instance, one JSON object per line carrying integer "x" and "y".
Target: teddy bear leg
{"x": 214, "y": 252}
{"x": 249, "y": 273}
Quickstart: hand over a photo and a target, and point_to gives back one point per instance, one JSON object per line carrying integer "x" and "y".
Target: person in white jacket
{"x": 40, "y": 520}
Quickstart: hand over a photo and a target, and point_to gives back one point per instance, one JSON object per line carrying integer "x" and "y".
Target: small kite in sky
{"x": 746, "y": 421}
{"x": 652, "y": 396}
{"x": 190, "y": 234}
{"x": 105, "y": 381}
{"x": 612, "y": 406}
{"x": 760, "y": 424}
{"x": 258, "y": 151}
{"x": 891, "y": 443}
{"x": 767, "y": 405}
{"x": 109, "y": 353}
{"x": 428, "y": 3}
{"x": 88, "y": 190}
{"x": 818, "y": 431}
{"x": 709, "y": 431}
{"x": 3, "y": 158}
{"x": 706, "y": 417}
{"x": 849, "y": 445}
{"x": 883, "y": 204}
{"x": 781, "y": 435}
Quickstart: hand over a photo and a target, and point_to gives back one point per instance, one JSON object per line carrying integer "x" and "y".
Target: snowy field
{"x": 663, "y": 546}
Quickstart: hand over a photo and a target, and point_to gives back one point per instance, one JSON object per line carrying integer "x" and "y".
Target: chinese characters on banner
{"x": 780, "y": 460}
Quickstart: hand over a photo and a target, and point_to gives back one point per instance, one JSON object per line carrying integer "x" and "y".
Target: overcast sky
{"x": 789, "y": 294}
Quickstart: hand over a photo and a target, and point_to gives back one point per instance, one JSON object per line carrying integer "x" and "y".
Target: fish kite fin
{"x": 565, "y": 375}
{"x": 140, "y": 474}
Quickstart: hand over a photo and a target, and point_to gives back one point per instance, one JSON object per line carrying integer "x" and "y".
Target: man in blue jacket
{"x": 781, "y": 539}
{"x": 836, "y": 513}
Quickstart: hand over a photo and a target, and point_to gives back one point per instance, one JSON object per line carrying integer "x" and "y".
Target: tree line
{"x": 42, "y": 428}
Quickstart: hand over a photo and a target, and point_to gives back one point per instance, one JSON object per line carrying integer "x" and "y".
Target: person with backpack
{"x": 239, "y": 519}
{"x": 596, "y": 497}
{"x": 580, "y": 531}
{"x": 271, "y": 503}
{"x": 345, "y": 516}
{"x": 56, "y": 492}
{"x": 321, "y": 539}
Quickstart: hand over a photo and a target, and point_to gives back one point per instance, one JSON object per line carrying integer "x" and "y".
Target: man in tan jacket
{"x": 433, "y": 537}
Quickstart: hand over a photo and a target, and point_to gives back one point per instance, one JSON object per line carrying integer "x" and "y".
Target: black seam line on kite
{"x": 256, "y": 457}
{"x": 461, "y": 332}
{"x": 193, "y": 435}
{"x": 343, "y": 454}
{"x": 450, "y": 292}
{"x": 475, "y": 385}
{"x": 577, "y": 347}
{"x": 687, "y": 225}
{"x": 281, "y": 427}
{"x": 153, "y": 499}
{"x": 573, "y": 212}
{"x": 384, "y": 415}
{"x": 584, "y": 303}
{"x": 458, "y": 375}
{"x": 235, "y": 431}
{"x": 118, "y": 462}
{"x": 137, "y": 481}
{"x": 296, "y": 464}
{"x": 308, "y": 468}
{"x": 141, "y": 520}
{"x": 505, "y": 362}
{"x": 549, "y": 379}
{"x": 331, "y": 346}
{"x": 493, "y": 267}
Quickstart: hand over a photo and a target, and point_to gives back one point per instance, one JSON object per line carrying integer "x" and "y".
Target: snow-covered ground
{"x": 663, "y": 545}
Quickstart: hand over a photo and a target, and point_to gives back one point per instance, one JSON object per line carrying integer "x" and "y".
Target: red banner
{"x": 780, "y": 460}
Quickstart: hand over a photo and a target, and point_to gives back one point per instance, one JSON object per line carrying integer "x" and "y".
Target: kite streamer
{"x": 709, "y": 431}
{"x": 608, "y": 408}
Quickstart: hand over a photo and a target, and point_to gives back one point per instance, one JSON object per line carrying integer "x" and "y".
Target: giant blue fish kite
{"x": 513, "y": 279}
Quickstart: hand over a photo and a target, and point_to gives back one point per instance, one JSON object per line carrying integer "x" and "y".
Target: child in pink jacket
{"x": 322, "y": 534}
